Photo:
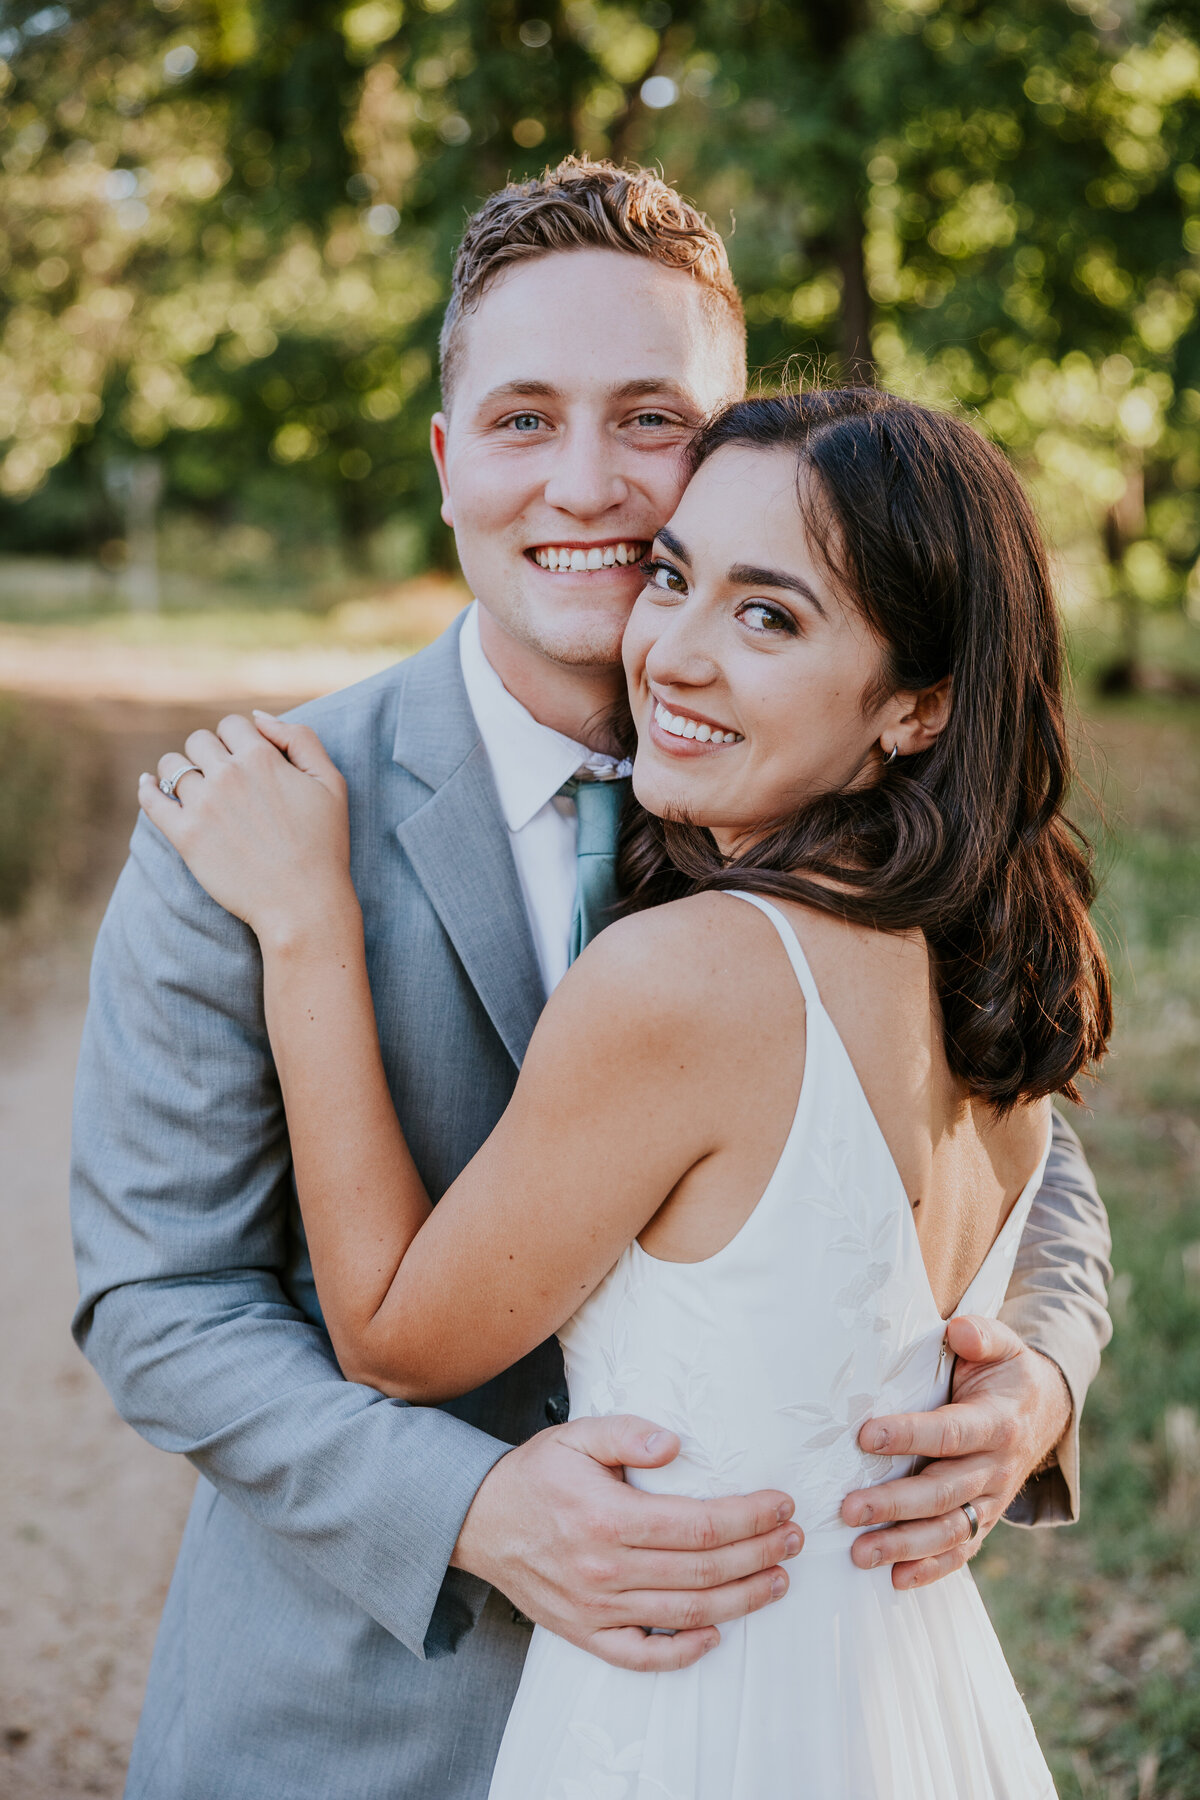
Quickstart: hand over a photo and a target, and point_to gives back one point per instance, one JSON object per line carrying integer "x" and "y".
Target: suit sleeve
{"x": 1057, "y": 1302}
{"x": 181, "y": 1209}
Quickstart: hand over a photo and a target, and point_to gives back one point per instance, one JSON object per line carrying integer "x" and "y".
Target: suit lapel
{"x": 457, "y": 843}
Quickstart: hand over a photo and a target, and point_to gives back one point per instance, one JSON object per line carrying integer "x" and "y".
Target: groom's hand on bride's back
{"x": 1009, "y": 1409}
{"x": 558, "y": 1531}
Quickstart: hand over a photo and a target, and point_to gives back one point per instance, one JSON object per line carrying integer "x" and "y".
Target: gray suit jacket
{"x": 314, "y": 1641}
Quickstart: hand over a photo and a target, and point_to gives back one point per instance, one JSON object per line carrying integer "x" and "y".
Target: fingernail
{"x": 655, "y": 1441}
{"x": 144, "y": 776}
{"x": 876, "y": 1440}
{"x": 876, "y": 1558}
{"x": 784, "y": 1512}
{"x": 778, "y": 1584}
{"x": 792, "y": 1543}
{"x": 260, "y": 712}
{"x": 865, "y": 1515}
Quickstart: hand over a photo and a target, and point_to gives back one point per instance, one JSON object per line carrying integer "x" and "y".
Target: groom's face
{"x": 583, "y": 375}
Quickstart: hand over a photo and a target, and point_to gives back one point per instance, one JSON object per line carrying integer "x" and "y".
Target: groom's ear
{"x": 439, "y": 426}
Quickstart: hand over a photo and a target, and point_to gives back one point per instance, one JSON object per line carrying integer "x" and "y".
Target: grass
{"x": 52, "y": 785}
{"x": 1102, "y": 1622}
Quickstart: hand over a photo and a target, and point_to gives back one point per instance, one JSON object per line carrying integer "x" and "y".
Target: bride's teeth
{"x": 595, "y": 559}
{"x": 689, "y": 728}
{"x": 579, "y": 559}
{"x": 609, "y": 557}
{"x": 704, "y": 733}
{"x": 622, "y": 554}
{"x": 551, "y": 559}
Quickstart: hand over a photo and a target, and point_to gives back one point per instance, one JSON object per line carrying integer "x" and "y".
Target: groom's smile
{"x": 582, "y": 378}
{"x": 581, "y": 559}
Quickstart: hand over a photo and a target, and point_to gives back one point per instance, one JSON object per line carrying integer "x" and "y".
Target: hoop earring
{"x": 891, "y": 756}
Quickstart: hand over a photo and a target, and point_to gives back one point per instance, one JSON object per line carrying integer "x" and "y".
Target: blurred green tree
{"x": 229, "y": 224}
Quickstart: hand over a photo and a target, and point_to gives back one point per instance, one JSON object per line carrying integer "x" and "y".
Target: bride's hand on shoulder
{"x": 258, "y": 813}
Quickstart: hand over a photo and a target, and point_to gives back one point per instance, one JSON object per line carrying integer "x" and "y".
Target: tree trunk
{"x": 1124, "y": 523}
{"x": 834, "y": 24}
{"x": 858, "y": 364}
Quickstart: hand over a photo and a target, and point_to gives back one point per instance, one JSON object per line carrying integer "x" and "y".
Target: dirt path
{"x": 90, "y": 1516}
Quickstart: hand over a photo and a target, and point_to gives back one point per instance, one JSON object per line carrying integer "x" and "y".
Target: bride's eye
{"x": 663, "y": 575}
{"x": 770, "y": 620}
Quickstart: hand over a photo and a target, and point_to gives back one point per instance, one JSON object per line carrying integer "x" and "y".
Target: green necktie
{"x": 598, "y": 805}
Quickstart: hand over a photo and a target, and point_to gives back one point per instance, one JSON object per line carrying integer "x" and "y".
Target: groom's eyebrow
{"x": 522, "y": 389}
{"x": 653, "y": 384}
{"x": 746, "y": 575}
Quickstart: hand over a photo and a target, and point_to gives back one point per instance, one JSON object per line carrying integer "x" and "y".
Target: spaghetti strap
{"x": 791, "y": 943}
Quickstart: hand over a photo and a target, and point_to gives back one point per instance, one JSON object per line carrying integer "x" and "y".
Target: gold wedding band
{"x": 972, "y": 1521}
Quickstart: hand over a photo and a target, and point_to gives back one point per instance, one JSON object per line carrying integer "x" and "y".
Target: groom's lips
{"x": 576, "y": 557}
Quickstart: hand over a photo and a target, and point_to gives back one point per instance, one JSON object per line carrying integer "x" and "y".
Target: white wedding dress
{"x": 766, "y": 1359}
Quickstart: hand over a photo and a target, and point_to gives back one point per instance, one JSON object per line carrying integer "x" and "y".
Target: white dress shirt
{"x": 530, "y": 762}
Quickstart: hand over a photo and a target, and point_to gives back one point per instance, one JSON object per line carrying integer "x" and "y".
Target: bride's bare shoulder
{"x": 689, "y": 960}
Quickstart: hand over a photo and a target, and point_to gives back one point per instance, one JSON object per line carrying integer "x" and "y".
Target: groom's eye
{"x": 525, "y": 422}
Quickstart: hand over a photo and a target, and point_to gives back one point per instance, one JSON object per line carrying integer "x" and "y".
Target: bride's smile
{"x": 755, "y": 681}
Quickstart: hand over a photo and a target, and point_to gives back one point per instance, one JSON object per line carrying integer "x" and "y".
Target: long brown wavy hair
{"x": 926, "y": 529}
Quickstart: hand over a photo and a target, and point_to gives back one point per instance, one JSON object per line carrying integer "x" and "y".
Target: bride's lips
{"x": 683, "y": 732}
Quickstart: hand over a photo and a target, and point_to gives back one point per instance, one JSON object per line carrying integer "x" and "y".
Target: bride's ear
{"x": 922, "y": 718}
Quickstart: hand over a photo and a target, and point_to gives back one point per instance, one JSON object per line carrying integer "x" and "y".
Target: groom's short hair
{"x": 588, "y": 205}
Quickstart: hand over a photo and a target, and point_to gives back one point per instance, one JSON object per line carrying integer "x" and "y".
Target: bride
{"x": 779, "y": 1123}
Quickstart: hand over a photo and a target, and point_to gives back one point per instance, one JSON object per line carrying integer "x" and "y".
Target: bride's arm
{"x": 605, "y": 1120}
{"x": 617, "y": 1099}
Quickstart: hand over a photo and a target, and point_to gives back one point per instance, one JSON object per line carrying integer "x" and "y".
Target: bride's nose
{"x": 682, "y": 654}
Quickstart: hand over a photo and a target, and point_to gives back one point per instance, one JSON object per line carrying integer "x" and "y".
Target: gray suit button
{"x": 558, "y": 1409}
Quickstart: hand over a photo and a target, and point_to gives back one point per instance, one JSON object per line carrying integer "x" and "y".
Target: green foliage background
{"x": 226, "y": 228}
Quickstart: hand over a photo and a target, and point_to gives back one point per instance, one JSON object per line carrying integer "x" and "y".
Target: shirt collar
{"x": 530, "y": 761}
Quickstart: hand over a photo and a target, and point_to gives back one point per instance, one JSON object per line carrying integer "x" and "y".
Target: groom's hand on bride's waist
{"x": 556, "y": 1528}
{"x": 1010, "y": 1408}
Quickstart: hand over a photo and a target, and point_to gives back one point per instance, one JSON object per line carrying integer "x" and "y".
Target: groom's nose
{"x": 586, "y": 478}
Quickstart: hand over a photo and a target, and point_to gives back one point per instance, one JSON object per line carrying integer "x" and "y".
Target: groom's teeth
{"x": 598, "y": 556}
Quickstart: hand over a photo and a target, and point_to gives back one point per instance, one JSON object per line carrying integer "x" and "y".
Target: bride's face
{"x": 741, "y": 639}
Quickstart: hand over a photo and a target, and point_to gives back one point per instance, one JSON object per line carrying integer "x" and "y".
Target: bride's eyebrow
{"x": 746, "y": 575}
{"x": 666, "y": 537}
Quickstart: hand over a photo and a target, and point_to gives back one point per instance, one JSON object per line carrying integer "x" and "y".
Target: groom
{"x": 349, "y": 1613}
